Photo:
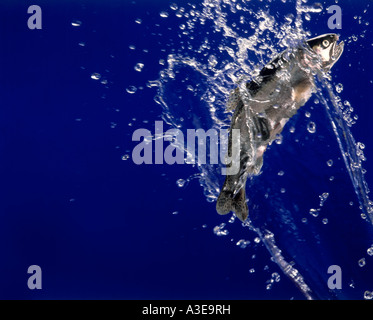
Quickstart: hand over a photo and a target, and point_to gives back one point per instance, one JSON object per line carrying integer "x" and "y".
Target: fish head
{"x": 327, "y": 48}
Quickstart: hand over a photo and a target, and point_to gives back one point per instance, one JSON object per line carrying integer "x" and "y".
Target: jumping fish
{"x": 263, "y": 107}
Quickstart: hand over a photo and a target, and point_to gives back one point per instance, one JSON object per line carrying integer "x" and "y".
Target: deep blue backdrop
{"x": 98, "y": 226}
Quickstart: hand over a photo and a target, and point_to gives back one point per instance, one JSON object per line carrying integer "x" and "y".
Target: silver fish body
{"x": 263, "y": 107}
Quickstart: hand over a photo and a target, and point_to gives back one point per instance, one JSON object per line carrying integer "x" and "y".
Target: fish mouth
{"x": 336, "y": 51}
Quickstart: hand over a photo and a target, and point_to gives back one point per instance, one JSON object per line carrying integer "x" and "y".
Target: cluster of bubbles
{"x": 220, "y": 231}
{"x": 275, "y": 277}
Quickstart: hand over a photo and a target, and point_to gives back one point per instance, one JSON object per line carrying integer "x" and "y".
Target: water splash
{"x": 195, "y": 87}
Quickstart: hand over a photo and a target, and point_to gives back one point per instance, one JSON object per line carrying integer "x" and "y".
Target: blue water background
{"x": 101, "y": 227}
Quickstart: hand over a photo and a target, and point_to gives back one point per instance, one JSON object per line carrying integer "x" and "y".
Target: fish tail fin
{"x": 240, "y": 205}
{"x": 227, "y": 203}
{"x": 224, "y": 203}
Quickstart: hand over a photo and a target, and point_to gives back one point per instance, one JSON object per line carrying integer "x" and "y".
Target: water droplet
{"x": 95, "y": 76}
{"x": 164, "y": 14}
{"x": 339, "y": 87}
{"x": 232, "y": 219}
{"x": 131, "y": 89}
{"x": 243, "y": 243}
{"x": 370, "y": 251}
{"x": 362, "y": 262}
{"x": 175, "y": 213}
{"x": 314, "y": 212}
{"x": 279, "y": 139}
{"x": 212, "y": 61}
{"x": 323, "y": 198}
{"x": 252, "y": 270}
{"x": 276, "y": 277}
{"x": 311, "y": 127}
{"x": 257, "y": 240}
{"x": 139, "y": 66}
{"x": 76, "y": 23}
{"x": 180, "y": 183}
{"x": 283, "y": 190}
{"x": 281, "y": 173}
{"x": 132, "y": 47}
{"x": 174, "y": 6}
{"x": 325, "y": 221}
{"x": 316, "y": 7}
{"x": 125, "y": 157}
{"x": 308, "y": 114}
{"x": 219, "y": 230}
{"x": 138, "y": 21}
{"x": 368, "y": 295}
{"x": 330, "y": 163}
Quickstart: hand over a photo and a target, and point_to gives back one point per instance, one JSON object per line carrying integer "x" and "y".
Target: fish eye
{"x": 325, "y": 43}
